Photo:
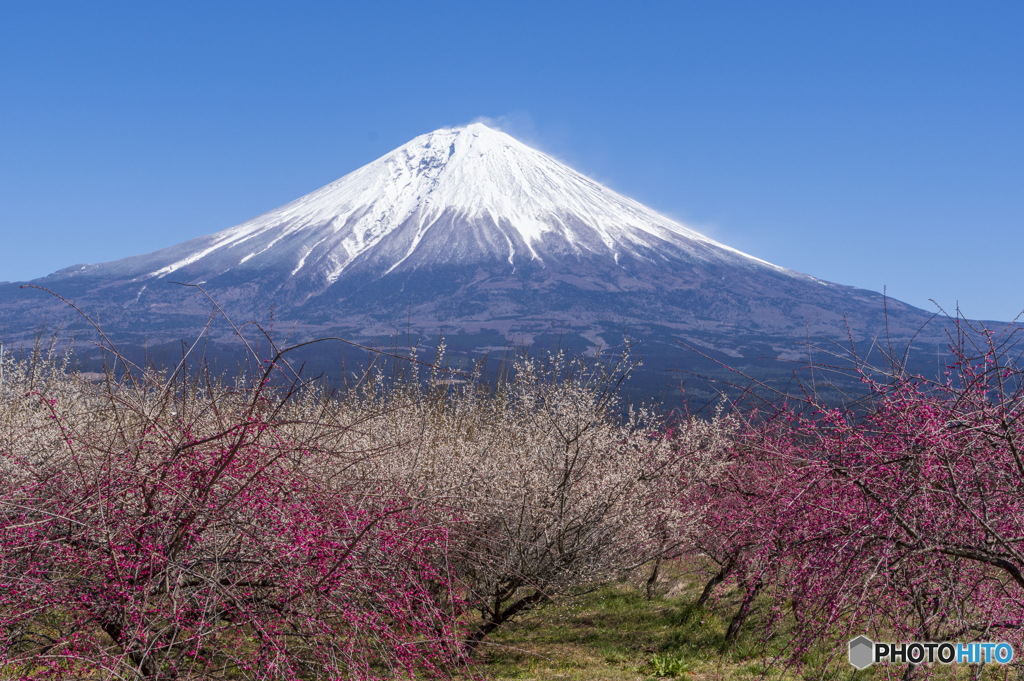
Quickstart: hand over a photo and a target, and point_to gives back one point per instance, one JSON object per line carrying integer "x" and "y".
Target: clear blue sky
{"x": 872, "y": 144}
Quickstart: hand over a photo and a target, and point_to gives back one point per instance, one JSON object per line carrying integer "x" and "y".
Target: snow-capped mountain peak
{"x": 469, "y": 231}
{"x": 454, "y": 196}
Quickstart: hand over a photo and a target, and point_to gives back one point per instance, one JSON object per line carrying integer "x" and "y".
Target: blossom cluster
{"x": 155, "y": 528}
{"x": 899, "y": 515}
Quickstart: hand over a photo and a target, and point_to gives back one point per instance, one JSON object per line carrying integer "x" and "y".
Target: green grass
{"x": 615, "y": 634}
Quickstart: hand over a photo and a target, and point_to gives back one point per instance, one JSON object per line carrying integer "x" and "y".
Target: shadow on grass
{"x": 615, "y": 634}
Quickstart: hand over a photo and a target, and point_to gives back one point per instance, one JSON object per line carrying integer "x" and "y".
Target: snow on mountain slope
{"x": 468, "y": 229}
{"x": 454, "y": 196}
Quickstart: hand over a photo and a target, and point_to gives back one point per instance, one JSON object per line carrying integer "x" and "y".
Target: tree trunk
{"x": 740, "y": 617}
{"x": 653, "y": 579}
{"x": 715, "y": 581}
{"x": 499, "y": 617}
{"x": 142, "y": 662}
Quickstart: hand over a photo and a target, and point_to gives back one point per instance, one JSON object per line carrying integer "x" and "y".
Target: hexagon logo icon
{"x": 862, "y": 652}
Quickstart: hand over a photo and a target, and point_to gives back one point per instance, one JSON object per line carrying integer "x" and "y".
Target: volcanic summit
{"x": 471, "y": 231}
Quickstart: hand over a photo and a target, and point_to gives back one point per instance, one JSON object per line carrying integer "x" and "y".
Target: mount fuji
{"x": 469, "y": 231}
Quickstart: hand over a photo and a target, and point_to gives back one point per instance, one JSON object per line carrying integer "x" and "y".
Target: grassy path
{"x": 616, "y": 634}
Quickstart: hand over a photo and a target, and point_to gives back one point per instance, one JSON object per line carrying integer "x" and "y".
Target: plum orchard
{"x": 902, "y": 516}
{"x": 556, "y": 485}
{"x": 171, "y": 530}
{"x": 165, "y": 525}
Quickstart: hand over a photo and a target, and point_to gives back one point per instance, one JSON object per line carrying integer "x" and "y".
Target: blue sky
{"x": 871, "y": 144}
